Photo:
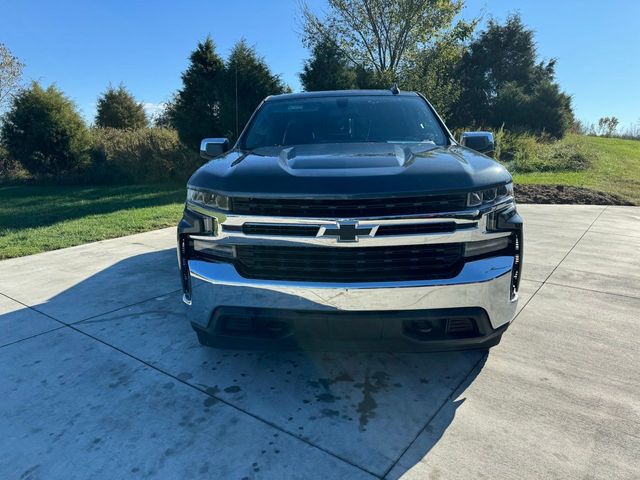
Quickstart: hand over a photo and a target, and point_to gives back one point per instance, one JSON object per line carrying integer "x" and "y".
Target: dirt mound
{"x": 564, "y": 194}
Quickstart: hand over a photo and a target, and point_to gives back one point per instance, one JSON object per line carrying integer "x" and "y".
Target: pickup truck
{"x": 350, "y": 219}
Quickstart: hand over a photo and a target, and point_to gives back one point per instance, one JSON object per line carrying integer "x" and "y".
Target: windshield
{"x": 348, "y": 119}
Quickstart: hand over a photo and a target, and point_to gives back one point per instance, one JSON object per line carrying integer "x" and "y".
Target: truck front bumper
{"x": 470, "y": 310}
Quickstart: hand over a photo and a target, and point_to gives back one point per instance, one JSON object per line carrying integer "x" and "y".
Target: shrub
{"x": 523, "y": 153}
{"x": 5, "y": 162}
{"x": 44, "y": 132}
{"x": 138, "y": 156}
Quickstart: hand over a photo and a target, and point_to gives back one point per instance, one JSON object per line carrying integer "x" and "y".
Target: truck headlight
{"x": 207, "y": 199}
{"x": 490, "y": 195}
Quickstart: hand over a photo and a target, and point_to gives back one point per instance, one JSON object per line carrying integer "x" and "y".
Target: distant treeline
{"x": 490, "y": 78}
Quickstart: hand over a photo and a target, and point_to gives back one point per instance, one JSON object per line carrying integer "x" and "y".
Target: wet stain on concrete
{"x": 184, "y": 376}
{"x": 325, "y": 384}
{"x": 367, "y": 406}
{"x": 168, "y": 452}
{"x": 328, "y": 382}
{"x": 30, "y": 473}
{"x": 326, "y": 398}
{"x": 208, "y": 402}
{"x": 327, "y": 412}
{"x": 232, "y": 389}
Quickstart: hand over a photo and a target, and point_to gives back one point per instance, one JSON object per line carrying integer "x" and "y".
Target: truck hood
{"x": 349, "y": 170}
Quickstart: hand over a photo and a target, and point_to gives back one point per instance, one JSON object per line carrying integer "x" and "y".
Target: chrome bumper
{"x": 484, "y": 289}
{"x": 483, "y": 283}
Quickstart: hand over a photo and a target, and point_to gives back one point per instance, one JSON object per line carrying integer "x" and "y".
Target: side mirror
{"x": 479, "y": 141}
{"x": 212, "y": 147}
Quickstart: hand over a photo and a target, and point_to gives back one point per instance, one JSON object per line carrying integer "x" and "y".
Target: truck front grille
{"x": 302, "y": 230}
{"x": 328, "y": 208}
{"x": 352, "y": 264}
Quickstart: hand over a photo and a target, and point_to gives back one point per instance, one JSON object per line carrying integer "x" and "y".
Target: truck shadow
{"x": 374, "y": 410}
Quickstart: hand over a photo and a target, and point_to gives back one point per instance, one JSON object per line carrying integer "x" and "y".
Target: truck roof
{"x": 337, "y": 93}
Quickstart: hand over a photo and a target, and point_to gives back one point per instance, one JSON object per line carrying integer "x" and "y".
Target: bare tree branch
{"x": 380, "y": 34}
{"x": 10, "y": 75}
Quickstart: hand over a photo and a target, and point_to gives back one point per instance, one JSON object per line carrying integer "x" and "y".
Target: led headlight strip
{"x": 208, "y": 199}
{"x": 484, "y": 197}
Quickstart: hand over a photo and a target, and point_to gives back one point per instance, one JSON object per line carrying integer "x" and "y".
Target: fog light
{"x": 475, "y": 249}
{"x": 214, "y": 249}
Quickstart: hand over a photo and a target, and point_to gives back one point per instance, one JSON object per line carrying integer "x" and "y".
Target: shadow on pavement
{"x": 365, "y": 408}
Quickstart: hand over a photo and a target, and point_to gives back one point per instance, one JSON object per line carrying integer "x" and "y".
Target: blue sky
{"x": 82, "y": 46}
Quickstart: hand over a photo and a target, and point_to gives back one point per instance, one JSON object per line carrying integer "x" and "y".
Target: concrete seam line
{"x": 221, "y": 400}
{"x": 453, "y": 392}
{"x": 544, "y": 282}
{"x": 34, "y": 309}
{"x": 575, "y": 244}
{"x": 124, "y": 306}
{"x": 226, "y": 402}
{"x": 34, "y": 336}
{"x": 593, "y": 290}
{"x": 435, "y": 414}
{"x": 600, "y": 232}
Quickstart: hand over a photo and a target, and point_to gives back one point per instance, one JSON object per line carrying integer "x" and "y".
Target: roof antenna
{"x": 394, "y": 89}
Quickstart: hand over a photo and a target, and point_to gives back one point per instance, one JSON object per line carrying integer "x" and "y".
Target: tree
{"x": 248, "y": 81}
{"x": 118, "y": 109}
{"x": 217, "y": 99}
{"x": 44, "y": 132}
{"x": 379, "y": 34}
{"x": 542, "y": 109}
{"x": 502, "y": 78}
{"x": 10, "y": 75}
{"x": 607, "y": 126}
{"x": 432, "y": 70}
{"x": 328, "y": 68}
{"x": 194, "y": 111}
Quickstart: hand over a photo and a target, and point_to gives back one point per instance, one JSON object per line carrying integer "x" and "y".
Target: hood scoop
{"x": 386, "y": 157}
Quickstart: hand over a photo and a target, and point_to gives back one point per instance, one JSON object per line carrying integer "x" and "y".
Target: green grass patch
{"x": 614, "y": 167}
{"x": 35, "y": 219}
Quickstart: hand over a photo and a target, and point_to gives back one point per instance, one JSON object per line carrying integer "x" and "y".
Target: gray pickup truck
{"x": 350, "y": 219}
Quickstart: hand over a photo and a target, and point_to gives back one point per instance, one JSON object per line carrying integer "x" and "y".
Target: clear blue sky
{"x": 82, "y": 46}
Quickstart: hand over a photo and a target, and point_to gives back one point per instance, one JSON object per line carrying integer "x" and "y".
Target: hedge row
{"x": 113, "y": 156}
{"x": 43, "y": 136}
{"x": 138, "y": 156}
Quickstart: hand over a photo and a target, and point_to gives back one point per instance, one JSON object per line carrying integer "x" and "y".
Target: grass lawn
{"x": 39, "y": 218}
{"x": 616, "y": 170}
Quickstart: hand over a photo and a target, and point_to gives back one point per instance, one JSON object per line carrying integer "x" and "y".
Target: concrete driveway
{"x": 102, "y": 377}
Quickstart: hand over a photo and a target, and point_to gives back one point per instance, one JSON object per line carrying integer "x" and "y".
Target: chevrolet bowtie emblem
{"x": 347, "y": 231}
